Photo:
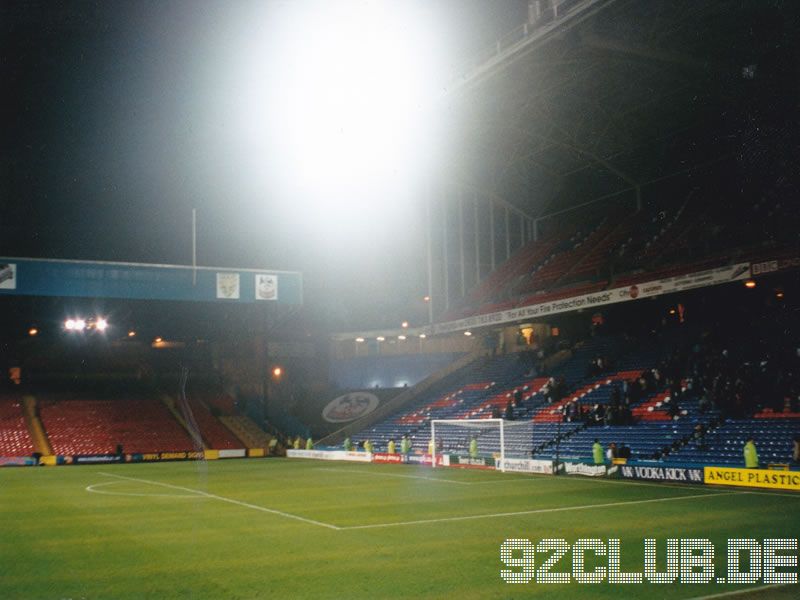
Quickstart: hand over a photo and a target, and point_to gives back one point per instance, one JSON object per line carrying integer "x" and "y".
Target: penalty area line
{"x": 536, "y": 511}
{"x": 228, "y": 500}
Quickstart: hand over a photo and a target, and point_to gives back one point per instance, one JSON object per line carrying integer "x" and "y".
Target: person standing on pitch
{"x": 309, "y": 444}
{"x": 390, "y": 447}
{"x": 597, "y": 452}
{"x": 348, "y": 445}
{"x": 750, "y": 454}
{"x": 473, "y": 448}
{"x": 431, "y": 447}
{"x": 368, "y": 446}
{"x": 405, "y": 445}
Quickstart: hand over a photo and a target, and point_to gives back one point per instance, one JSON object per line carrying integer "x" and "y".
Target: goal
{"x": 494, "y": 437}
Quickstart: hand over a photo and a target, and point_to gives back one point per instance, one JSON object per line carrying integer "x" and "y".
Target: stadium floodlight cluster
{"x": 79, "y": 324}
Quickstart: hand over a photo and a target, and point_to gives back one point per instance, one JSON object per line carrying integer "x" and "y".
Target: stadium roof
{"x": 120, "y": 123}
{"x": 636, "y": 94}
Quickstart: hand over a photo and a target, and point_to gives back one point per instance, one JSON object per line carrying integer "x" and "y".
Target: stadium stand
{"x": 677, "y": 397}
{"x": 247, "y": 431}
{"x": 596, "y": 251}
{"x": 78, "y": 426}
{"x": 213, "y": 432}
{"x": 14, "y": 437}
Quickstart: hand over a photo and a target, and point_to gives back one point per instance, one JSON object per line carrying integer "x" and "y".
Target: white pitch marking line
{"x": 394, "y": 475}
{"x": 537, "y": 511}
{"x": 229, "y": 500}
{"x": 92, "y": 488}
{"x": 760, "y": 588}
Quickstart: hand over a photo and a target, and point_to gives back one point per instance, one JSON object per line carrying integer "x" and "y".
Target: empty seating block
{"x": 14, "y": 437}
{"x": 77, "y": 426}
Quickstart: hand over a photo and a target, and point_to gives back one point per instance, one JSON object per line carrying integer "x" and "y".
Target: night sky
{"x": 118, "y": 118}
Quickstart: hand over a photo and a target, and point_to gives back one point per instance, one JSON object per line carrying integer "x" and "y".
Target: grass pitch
{"x": 288, "y": 528}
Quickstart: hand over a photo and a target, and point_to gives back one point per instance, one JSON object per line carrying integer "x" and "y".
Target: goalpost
{"x": 497, "y": 437}
{"x": 455, "y": 435}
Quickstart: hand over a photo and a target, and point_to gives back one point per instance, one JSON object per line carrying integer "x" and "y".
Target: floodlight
{"x": 341, "y": 96}
{"x": 69, "y": 324}
{"x": 101, "y": 324}
{"x": 80, "y": 325}
{"x": 33, "y": 331}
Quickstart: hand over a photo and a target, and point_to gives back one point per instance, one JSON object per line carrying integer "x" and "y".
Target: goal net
{"x": 486, "y": 437}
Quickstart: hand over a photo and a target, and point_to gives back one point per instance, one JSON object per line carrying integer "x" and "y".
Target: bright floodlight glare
{"x": 80, "y": 325}
{"x": 69, "y": 324}
{"x": 101, "y": 324}
{"x": 343, "y": 95}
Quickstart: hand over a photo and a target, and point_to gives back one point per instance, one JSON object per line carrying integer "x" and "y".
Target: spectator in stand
{"x": 626, "y": 415}
{"x": 612, "y": 416}
{"x": 597, "y": 452}
{"x": 704, "y": 404}
{"x": 657, "y": 379}
{"x": 750, "y": 454}
{"x": 599, "y": 414}
{"x": 624, "y": 452}
{"x": 509, "y": 412}
{"x": 571, "y": 413}
{"x": 699, "y": 436}
{"x": 796, "y": 449}
{"x": 611, "y": 453}
{"x": 616, "y": 397}
{"x": 673, "y": 410}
